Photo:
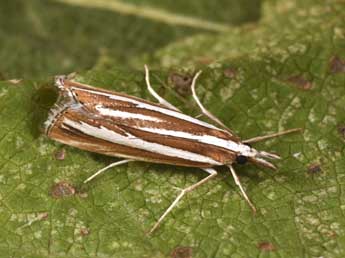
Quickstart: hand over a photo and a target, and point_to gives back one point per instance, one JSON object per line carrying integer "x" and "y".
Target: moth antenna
{"x": 273, "y": 135}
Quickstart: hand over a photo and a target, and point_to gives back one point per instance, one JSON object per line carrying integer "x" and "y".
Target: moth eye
{"x": 240, "y": 159}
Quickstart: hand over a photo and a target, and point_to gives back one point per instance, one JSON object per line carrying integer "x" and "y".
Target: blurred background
{"x": 40, "y": 38}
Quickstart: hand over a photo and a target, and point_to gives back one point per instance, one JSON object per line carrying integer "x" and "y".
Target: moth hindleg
{"x": 107, "y": 167}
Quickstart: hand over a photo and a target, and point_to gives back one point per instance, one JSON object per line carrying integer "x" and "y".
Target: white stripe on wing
{"x": 135, "y": 142}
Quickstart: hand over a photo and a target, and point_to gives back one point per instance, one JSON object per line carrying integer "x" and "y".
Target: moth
{"x": 119, "y": 125}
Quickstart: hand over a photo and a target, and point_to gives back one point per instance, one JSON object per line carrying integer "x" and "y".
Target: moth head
{"x": 65, "y": 99}
{"x": 251, "y": 155}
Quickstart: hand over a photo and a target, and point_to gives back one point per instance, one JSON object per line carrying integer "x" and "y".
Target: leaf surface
{"x": 285, "y": 72}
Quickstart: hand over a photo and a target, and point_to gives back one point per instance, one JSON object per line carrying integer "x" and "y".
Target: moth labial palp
{"x": 119, "y": 125}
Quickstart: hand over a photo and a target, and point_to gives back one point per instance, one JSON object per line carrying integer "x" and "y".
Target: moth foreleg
{"x": 107, "y": 167}
{"x": 238, "y": 183}
{"x": 212, "y": 173}
{"x": 155, "y": 94}
{"x": 269, "y": 136}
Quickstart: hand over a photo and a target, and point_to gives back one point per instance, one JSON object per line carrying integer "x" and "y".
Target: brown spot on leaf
{"x": 266, "y": 246}
{"x": 341, "y": 130}
{"x": 230, "y": 72}
{"x": 337, "y": 65}
{"x": 182, "y": 252}
{"x": 300, "y": 82}
{"x": 60, "y": 154}
{"x": 39, "y": 217}
{"x": 62, "y": 190}
{"x": 314, "y": 168}
{"x": 84, "y": 231}
{"x": 43, "y": 216}
{"x": 181, "y": 82}
{"x": 332, "y": 234}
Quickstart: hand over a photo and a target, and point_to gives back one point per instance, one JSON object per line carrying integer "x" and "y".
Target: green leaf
{"x": 287, "y": 71}
{"x": 54, "y": 37}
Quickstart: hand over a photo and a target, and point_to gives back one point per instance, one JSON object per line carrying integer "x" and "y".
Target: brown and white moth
{"x": 128, "y": 127}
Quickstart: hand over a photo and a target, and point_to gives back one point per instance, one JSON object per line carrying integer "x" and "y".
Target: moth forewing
{"x": 119, "y": 125}
{"x": 124, "y": 126}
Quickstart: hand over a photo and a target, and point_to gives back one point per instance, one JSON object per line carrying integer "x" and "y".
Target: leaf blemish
{"x": 60, "y": 154}
{"x": 182, "y": 252}
{"x": 266, "y": 246}
{"x": 331, "y": 234}
{"x": 337, "y": 65}
{"x": 84, "y": 231}
{"x": 34, "y": 218}
{"x": 62, "y": 189}
{"x": 341, "y": 130}
{"x": 181, "y": 82}
{"x": 314, "y": 168}
{"x": 230, "y": 72}
{"x": 300, "y": 82}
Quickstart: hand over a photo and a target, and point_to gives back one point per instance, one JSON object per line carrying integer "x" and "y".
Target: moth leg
{"x": 107, "y": 167}
{"x": 212, "y": 173}
{"x": 238, "y": 183}
{"x": 265, "y": 137}
{"x": 203, "y": 109}
{"x": 155, "y": 94}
